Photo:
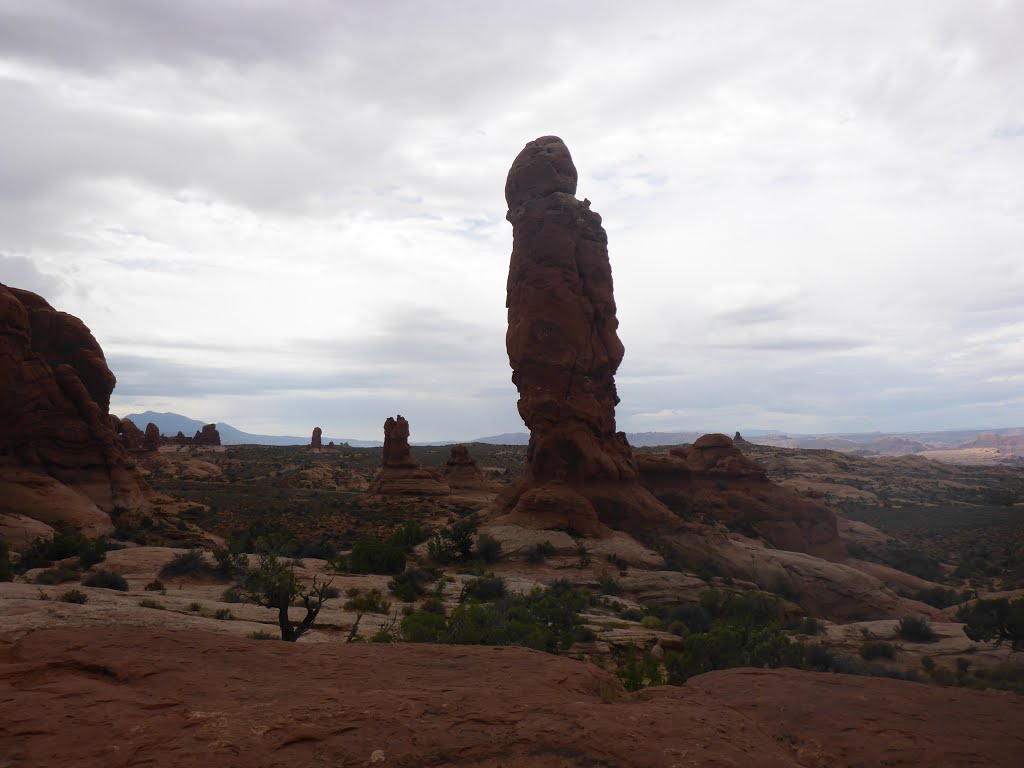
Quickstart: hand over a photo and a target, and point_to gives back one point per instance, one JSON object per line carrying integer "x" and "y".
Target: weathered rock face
{"x": 207, "y": 436}
{"x": 60, "y": 460}
{"x": 151, "y": 442}
{"x": 180, "y": 438}
{"x": 462, "y": 473}
{"x": 564, "y": 351}
{"x": 131, "y": 436}
{"x": 316, "y": 443}
{"x": 714, "y": 481}
{"x": 400, "y": 473}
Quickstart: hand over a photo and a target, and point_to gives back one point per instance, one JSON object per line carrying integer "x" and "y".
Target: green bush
{"x": 877, "y": 649}
{"x": 484, "y": 588}
{"x": 809, "y": 626}
{"x": 540, "y": 552}
{"x": 232, "y": 594}
{"x": 370, "y": 602}
{"x": 638, "y": 669}
{"x": 488, "y": 548}
{"x": 66, "y": 542}
{"x": 916, "y": 629}
{"x": 376, "y": 556}
{"x": 454, "y": 544}
{"x": 230, "y": 565}
{"x": 74, "y": 596}
{"x": 6, "y": 568}
{"x": 733, "y": 645}
{"x": 408, "y": 535}
{"x": 190, "y": 563}
{"x": 424, "y": 627}
{"x": 608, "y": 584}
{"x": 412, "y": 583}
{"x": 106, "y": 580}
{"x": 57, "y": 575}
{"x": 999, "y": 620}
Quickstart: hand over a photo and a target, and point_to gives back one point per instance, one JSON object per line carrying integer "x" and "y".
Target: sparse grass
{"x": 195, "y": 607}
{"x": 223, "y": 614}
{"x": 76, "y": 596}
{"x": 370, "y": 602}
{"x": 148, "y": 602}
{"x": 262, "y": 634}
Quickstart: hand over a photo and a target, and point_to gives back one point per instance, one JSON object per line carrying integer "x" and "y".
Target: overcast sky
{"x": 284, "y": 214}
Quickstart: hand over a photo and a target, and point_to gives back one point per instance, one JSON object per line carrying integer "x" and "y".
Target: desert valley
{"x": 578, "y": 600}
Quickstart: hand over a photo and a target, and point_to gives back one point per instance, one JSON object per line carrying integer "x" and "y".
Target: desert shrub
{"x": 821, "y": 659}
{"x": 733, "y": 645}
{"x": 412, "y": 583}
{"x": 106, "y": 580}
{"x": 261, "y": 634}
{"x": 638, "y": 669}
{"x": 74, "y": 596}
{"x": 195, "y": 607}
{"x": 155, "y": 586}
{"x": 148, "y": 602}
{"x": 916, "y": 629}
{"x": 224, "y": 614}
{"x": 928, "y": 663}
{"x": 999, "y": 620}
{"x": 540, "y": 552}
{"x": 232, "y": 594}
{"x": 66, "y": 542}
{"x": 962, "y": 665}
{"x": 408, "y": 535}
{"x": 453, "y": 544}
{"x": 608, "y": 584}
{"x": 273, "y": 584}
{"x": 940, "y": 597}
{"x": 424, "y": 627}
{"x": 877, "y": 649}
{"x": 544, "y": 619}
{"x": 651, "y": 622}
{"x": 376, "y": 556}
{"x": 809, "y": 626}
{"x": 633, "y": 614}
{"x": 433, "y": 605}
{"x": 57, "y": 575}
{"x": 188, "y": 563}
{"x": 230, "y": 565}
{"x": 488, "y": 548}
{"x": 484, "y": 588}
{"x": 369, "y": 602}
{"x": 6, "y": 568}
{"x": 584, "y": 555}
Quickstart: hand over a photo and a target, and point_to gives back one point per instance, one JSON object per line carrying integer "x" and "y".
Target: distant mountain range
{"x": 891, "y": 443}
{"x": 172, "y": 423}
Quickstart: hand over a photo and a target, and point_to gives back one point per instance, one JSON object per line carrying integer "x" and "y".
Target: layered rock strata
{"x": 712, "y": 481}
{"x": 400, "y": 473}
{"x": 60, "y": 459}
{"x": 564, "y": 350}
{"x": 462, "y": 473}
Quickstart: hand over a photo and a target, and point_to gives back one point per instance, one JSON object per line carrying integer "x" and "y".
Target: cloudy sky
{"x": 288, "y": 213}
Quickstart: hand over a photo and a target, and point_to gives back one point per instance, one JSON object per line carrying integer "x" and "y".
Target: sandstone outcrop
{"x": 400, "y": 473}
{"x": 316, "y": 442}
{"x": 151, "y": 440}
{"x": 208, "y": 436}
{"x": 564, "y": 350}
{"x": 462, "y": 473}
{"x": 131, "y": 437}
{"x": 60, "y": 460}
{"x": 712, "y": 481}
{"x": 184, "y": 698}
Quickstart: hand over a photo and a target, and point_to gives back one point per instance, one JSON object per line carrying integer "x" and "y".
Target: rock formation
{"x": 151, "y": 441}
{"x": 180, "y": 439}
{"x": 713, "y": 481}
{"x": 564, "y": 351}
{"x": 462, "y": 473}
{"x": 131, "y": 436}
{"x": 316, "y": 444}
{"x": 60, "y": 460}
{"x": 207, "y": 436}
{"x": 400, "y": 473}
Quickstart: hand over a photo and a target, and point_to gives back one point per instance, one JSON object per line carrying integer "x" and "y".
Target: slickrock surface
{"x": 564, "y": 350}
{"x": 713, "y": 480}
{"x": 131, "y": 696}
{"x": 400, "y": 473}
{"x": 60, "y": 460}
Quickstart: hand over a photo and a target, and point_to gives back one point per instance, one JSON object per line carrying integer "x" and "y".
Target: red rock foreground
{"x": 131, "y": 696}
